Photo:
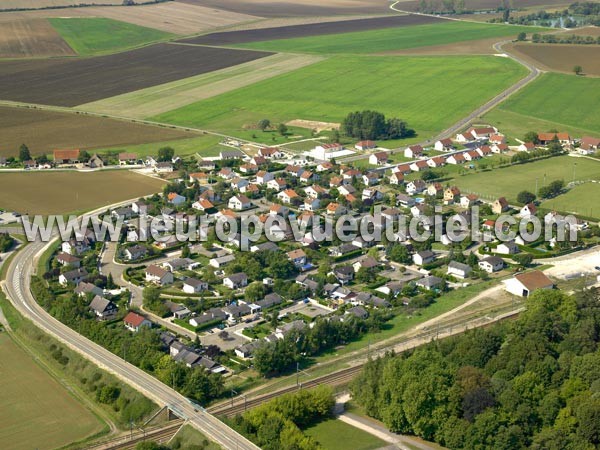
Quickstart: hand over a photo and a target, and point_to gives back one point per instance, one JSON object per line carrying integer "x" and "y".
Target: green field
{"x": 405, "y": 87}
{"x": 206, "y": 145}
{"x": 337, "y": 435}
{"x": 509, "y": 181}
{"x": 554, "y": 101}
{"x": 389, "y": 39}
{"x": 97, "y": 35}
{"x": 35, "y": 410}
{"x": 581, "y": 200}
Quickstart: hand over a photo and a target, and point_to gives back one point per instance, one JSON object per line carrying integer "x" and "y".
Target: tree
{"x": 524, "y": 259}
{"x": 282, "y": 129}
{"x": 525, "y": 197}
{"x": 521, "y": 36}
{"x": 263, "y": 124}
{"x": 254, "y": 292}
{"x": 165, "y": 154}
{"x": 578, "y": 70}
{"x": 531, "y": 136}
{"x": 399, "y": 253}
{"x": 186, "y": 252}
{"x": 24, "y": 153}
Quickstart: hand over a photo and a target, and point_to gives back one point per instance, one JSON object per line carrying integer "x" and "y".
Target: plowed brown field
{"x": 31, "y": 38}
{"x": 560, "y": 58}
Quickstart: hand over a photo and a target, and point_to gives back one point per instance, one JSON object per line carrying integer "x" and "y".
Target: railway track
{"x": 157, "y": 434}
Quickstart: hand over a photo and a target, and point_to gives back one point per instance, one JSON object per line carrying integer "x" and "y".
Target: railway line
{"x": 158, "y": 434}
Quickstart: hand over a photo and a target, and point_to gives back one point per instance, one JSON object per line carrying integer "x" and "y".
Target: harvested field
{"x": 35, "y": 410}
{"x": 75, "y": 81}
{"x": 314, "y": 29}
{"x": 558, "y": 57}
{"x": 585, "y": 31}
{"x": 55, "y": 192}
{"x": 413, "y": 5}
{"x": 31, "y": 38}
{"x": 290, "y": 8}
{"x": 44, "y": 131}
{"x": 480, "y": 47}
{"x": 34, "y": 4}
{"x": 165, "y": 97}
{"x": 313, "y": 125}
{"x": 289, "y": 21}
{"x": 171, "y": 17}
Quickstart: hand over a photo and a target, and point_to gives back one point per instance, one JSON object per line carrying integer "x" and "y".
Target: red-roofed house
{"x": 413, "y": 151}
{"x": 134, "y": 322}
{"x": 365, "y": 145}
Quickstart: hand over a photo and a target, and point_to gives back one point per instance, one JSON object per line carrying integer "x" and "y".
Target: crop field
{"x": 28, "y": 394}
{"x": 33, "y": 4}
{"x": 333, "y": 434}
{"x": 205, "y": 145}
{"x": 578, "y": 200}
{"x": 291, "y": 8}
{"x": 560, "y": 100}
{"x": 403, "y": 87}
{"x": 509, "y": 181}
{"x": 44, "y": 131}
{"x": 31, "y": 38}
{"x": 560, "y": 58}
{"x": 70, "y": 82}
{"x": 92, "y": 36}
{"x": 166, "y": 97}
{"x": 389, "y": 39}
{"x": 313, "y": 29}
{"x": 61, "y": 192}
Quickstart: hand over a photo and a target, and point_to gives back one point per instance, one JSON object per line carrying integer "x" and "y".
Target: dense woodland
{"x": 530, "y": 383}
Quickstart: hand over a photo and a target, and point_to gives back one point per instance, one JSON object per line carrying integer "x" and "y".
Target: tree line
{"x": 532, "y": 383}
{"x": 374, "y": 125}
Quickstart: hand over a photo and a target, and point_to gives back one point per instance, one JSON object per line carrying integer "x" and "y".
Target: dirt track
{"x": 313, "y": 29}
{"x": 44, "y": 131}
{"x": 70, "y": 82}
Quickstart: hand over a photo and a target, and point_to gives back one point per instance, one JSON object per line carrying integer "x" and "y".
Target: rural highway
{"x": 17, "y": 288}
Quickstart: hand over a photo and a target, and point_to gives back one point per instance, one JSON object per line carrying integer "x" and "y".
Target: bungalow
{"x": 456, "y": 158}
{"x": 263, "y": 177}
{"x": 134, "y": 322}
{"x": 226, "y": 173}
{"x": 500, "y": 148}
{"x": 73, "y": 276}
{"x": 135, "y": 252}
{"x": 526, "y": 147}
{"x": 178, "y": 310}
{"x": 124, "y": 213}
{"x": 430, "y": 283}
{"x": 491, "y": 264}
{"x": 507, "y": 248}
{"x": 396, "y": 178}
{"x": 415, "y": 187}
{"x": 497, "y": 139}
{"x": 206, "y": 164}
{"x": 163, "y": 167}
{"x": 523, "y": 284}
{"x": 482, "y": 132}
{"x": 66, "y": 156}
{"x": 286, "y": 328}
{"x": 169, "y": 242}
{"x": 484, "y": 151}
{"x": 366, "y": 263}
{"x": 264, "y": 247}
{"x": 404, "y": 169}
{"x": 451, "y": 195}
{"x": 176, "y": 264}
{"x": 175, "y": 199}
{"x": 472, "y": 155}
{"x": 379, "y": 158}
{"x": 221, "y": 261}
{"x": 85, "y": 288}
{"x": 335, "y": 209}
{"x": 324, "y": 166}
{"x": 103, "y": 308}
{"x": 66, "y": 259}
{"x": 237, "y": 183}
{"x": 423, "y": 257}
{"x": 239, "y": 202}
{"x": 343, "y": 250}
{"x": 236, "y": 281}
{"x": 358, "y": 311}
{"x": 588, "y": 145}
{"x": 464, "y": 137}
{"x": 435, "y": 189}
{"x": 468, "y": 201}
{"x": 419, "y": 166}
{"x": 370, "y": 178}
{"x": 500, "y": 205}
{"x": 413, "y": 151}
{"x": 127, "y": 158}
{"x": 459, "y": 270}
{"x": 307, "y": 177}
{"x": 202, "y": 205}
{"x": 444, "y": 145}
{"x": 231, "y": 154}
{"x": 390, "y": 214}
{"x": 200, "y": 177}
{"x": 315, "y": 191}
{"x": 287, "y": 196}
{"x": 294, "y": 171}
{"x": 297, "y": 257}
{"x": 277, "y": 184}
{"x": 270, "y": 152}
{"x": 404, "y": 200}
{"x": 158, "y": 275}
{"x": 366, "y": 145}
{"x": 546, "y": 138}
{"x": 438, "y": 161}
{"x": 528, "y": 210}
{"x": 246, "y": 351}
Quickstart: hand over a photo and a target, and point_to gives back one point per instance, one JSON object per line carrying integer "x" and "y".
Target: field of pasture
{"x": 408, "y": 88}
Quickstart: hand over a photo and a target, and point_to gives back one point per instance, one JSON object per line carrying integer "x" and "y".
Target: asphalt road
{"x": 17, "y": 288}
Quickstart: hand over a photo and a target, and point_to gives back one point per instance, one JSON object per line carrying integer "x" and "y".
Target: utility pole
{"x": 297, "y": 373}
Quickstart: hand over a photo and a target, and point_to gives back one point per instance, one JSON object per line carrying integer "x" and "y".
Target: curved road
{"x": 17, "y": 288}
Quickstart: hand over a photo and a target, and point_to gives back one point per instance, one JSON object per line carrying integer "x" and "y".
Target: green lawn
{"x": 96, "y": 35}
{"x": 206, "y": 145}
{"x": 582, "y": 200}
{"x": 405, "y": 87}
{"x": 35, "y": 410}
{"x": 188, "y": 437}
{"x": 334, "y": 434}
{"x": 509, "y": 181}
{"x": 389, "y": 39}
{"x": 562, "y": 102}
